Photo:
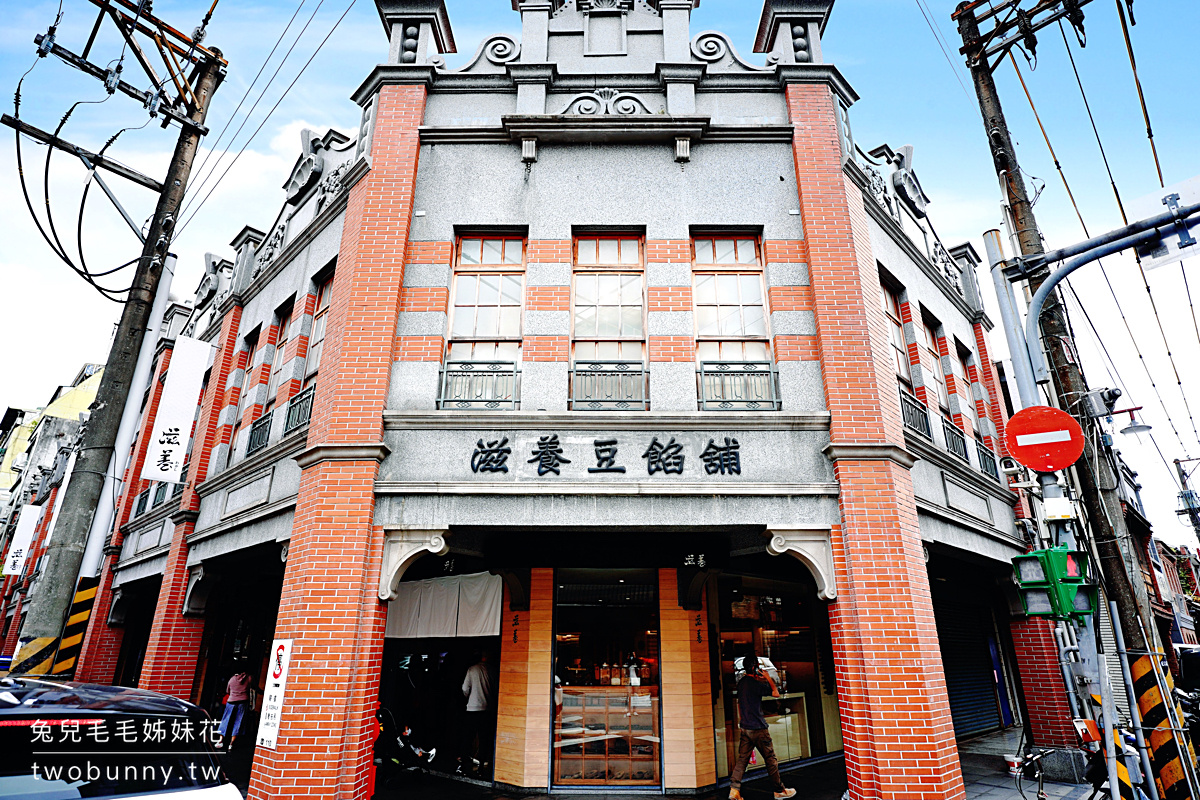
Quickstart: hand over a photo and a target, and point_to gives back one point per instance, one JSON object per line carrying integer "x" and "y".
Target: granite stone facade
{"x": 343, "y": 432}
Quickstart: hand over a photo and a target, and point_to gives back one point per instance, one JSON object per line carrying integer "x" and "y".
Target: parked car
{"x": 63, "y": 740}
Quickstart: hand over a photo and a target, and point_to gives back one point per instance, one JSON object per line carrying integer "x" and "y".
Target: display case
{"x": 607, "y": 735}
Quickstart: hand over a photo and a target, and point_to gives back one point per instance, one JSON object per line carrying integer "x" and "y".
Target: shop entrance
{"x": 137, "y": 605}
{"x": 767, "y": 602}
{"x": 607, "y": 727}
{"x": 440, "y": 680}
{"x": 239, "y": 624}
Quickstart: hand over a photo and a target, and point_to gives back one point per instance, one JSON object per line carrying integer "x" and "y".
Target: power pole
{"x": 1189, "y": 502}
{"x": 41, "y": 632}
{"x": 1103, "y": 505}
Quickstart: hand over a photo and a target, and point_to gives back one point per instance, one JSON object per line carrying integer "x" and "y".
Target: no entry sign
{"x": 1044, "y": 439}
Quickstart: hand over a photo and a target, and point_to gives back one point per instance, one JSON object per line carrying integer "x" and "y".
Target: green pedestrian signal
{"x": 1055, "y": 583}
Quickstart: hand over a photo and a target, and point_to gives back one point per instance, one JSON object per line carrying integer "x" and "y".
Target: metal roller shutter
{"x": 970, "y": 679}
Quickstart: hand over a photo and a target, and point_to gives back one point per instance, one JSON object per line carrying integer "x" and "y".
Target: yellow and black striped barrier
{"x": 1157, "y": 724}
{"x": 76, "y": 627}
{"x": 56, "y": 656}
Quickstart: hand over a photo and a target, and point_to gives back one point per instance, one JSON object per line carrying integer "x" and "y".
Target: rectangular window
{"x": 277, "y": 361}
{"x": 491, "y": 251}
{"x": 731, "y": 322}
{"x": 936, "y": 376}
{"x": 609, "y": 317}
{"x": 608, "y": 251}
{"x": 732, "y": 250}
{"x": 485, "y": 323}
{"x": 316, "y": 340}
{"x": 891, "y": 306}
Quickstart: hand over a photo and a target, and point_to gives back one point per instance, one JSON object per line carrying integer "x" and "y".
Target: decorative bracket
{"x": 199, "y": 585}
{"x": 811, "y": 545}
{"x": 400, "y": 549}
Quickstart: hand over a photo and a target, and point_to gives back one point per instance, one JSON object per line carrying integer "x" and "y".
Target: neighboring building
{"x": 37, "y": 446}
{"x": 1183, "y": 626}
{"x": 609, "y": 354}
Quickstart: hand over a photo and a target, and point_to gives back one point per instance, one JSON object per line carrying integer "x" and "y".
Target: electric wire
{"x": 942, "y": 46}
{"x": 216, "y": 142}
{"x": 1104, "y": 271}
{"x": 83, "y": 204}
{"x": 204, "y": 180}
{"x": 1141, "y": 95}
{"x": 1121, "y": 205}
{"x": 1153, "y": 150}
{"x": 108, "y": 294}
{"x": 1114, "y": 373}
{"x": 320, "y": 46}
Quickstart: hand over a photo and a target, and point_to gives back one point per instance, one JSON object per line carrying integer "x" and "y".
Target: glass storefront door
{"x": 758, "y": 602}
{"x": 606, "y": 678}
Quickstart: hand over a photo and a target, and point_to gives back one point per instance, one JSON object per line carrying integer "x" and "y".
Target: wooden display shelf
{"x": 608, "y": 736}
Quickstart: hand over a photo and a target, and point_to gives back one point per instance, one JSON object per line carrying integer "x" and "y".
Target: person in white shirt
{"x": 478, "y": 688}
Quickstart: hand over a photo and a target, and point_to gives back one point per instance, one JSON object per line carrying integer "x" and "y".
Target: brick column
{"x": 329, "y": 606}
{"x": 523, "y": 712}
{"x": 896, "y": 724}
{"x": 170, "y": 663}
{"x": 1042, "y": 684}
{"x": 689, "y": 760}
{"x": 102, "y": 642}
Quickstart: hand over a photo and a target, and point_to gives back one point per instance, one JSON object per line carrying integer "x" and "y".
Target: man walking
{"x": 751, "y": 689}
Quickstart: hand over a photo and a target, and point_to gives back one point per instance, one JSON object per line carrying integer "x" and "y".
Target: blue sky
{"x": 910, "y": 95}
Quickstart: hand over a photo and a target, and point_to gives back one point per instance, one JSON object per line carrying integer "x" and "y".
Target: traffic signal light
{"x": 1054, "y": 583}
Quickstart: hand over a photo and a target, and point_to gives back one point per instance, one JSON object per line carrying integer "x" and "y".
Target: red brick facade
{"x": 896, "y": 724}
{"x": 328, "y": 608}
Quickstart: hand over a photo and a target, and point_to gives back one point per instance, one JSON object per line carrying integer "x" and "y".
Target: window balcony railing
{"x": 143, "y": 500}
{"x": 299, "y": 410}
{"x": 609, "y": 385}
{"x": 956, "y": 441}
{"x": 916, "y": 415}
{"x": 160, "y": 495}
{"x": 738, "y": 386}
{"x": 260, "y": 432}
{"x": 488, "y": 385}
{"x": 987, "y": 461}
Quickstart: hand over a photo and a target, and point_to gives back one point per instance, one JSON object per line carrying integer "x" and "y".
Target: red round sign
{"x": 1044, "y": 439}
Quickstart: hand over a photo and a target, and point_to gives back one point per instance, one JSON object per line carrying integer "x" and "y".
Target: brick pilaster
{"x": 170, "y": 662}
{"x": 102, "y": 643}
{"x": 328, "y": 607}
{"x": 1049, "y": 712}
{"x": 896, "y": 724}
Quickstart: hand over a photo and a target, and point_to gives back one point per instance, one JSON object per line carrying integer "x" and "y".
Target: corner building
{"x": 606, "y": 354}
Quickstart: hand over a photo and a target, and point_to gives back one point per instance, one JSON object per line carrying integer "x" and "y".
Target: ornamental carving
{"x": 606, "y": 101}
{"x": 308, "y": 170}
{"x": 904, "y": 181}
{"x": 501, "y": 49}
{"x": 331, "y": 186}
{"x": 710, "y": 46}
{"x": 269, "y": 249}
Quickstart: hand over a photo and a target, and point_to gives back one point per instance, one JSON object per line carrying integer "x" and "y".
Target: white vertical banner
{"x": 272, "y": 707}
{"x": 176, "y": 410}
{"x": 62, "y": 492}
{"x": 18, "y": 551}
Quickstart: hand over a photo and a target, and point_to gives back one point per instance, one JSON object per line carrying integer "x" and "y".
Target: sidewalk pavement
{"x": 984, "y": 774}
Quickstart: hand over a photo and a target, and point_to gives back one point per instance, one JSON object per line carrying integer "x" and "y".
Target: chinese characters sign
{"x": 272, "y": 707}
{"x": 173, "y": 423}
{"x": 14, "y": 562}
{"x": 549, "y": 456}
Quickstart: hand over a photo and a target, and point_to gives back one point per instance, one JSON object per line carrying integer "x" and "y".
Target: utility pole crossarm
{"x": 137, "y": 94}
{"x": 97, "y": 160}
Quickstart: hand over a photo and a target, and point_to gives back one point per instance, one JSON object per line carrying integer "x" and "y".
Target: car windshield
{"x": 57, "y": 759}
